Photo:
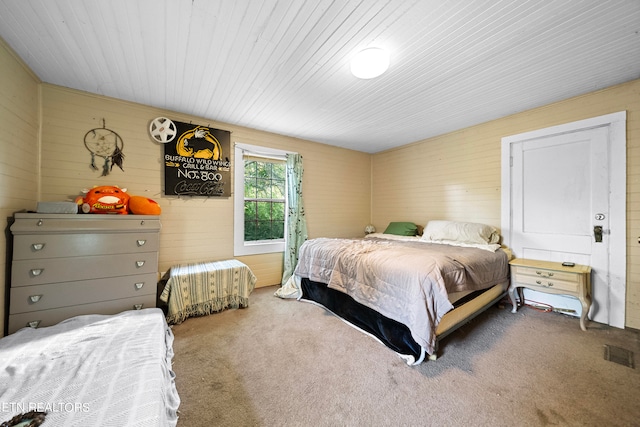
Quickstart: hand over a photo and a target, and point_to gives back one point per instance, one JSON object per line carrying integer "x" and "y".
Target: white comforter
{"x": 93, "y": 370}
{"x": 406, "y": 281}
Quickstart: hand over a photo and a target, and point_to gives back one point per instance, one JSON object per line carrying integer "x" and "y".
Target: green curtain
{"x": 296, "y": 232}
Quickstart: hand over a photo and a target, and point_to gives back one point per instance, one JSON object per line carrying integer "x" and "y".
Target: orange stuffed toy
{"x": 104, "y": 199}
{"x": 111, "y": 199}
{"x": 143, "y": 206}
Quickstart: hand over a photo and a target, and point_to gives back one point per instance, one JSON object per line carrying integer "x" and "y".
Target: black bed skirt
{"x": 391, "y": 333}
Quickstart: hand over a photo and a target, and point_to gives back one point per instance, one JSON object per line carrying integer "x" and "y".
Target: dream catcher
{"x": 107, "y": 144}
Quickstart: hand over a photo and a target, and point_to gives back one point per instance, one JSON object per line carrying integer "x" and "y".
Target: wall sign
{"x": 196, "y": 162}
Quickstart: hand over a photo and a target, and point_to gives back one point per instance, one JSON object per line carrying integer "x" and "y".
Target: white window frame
{"x": 240, "y": 247}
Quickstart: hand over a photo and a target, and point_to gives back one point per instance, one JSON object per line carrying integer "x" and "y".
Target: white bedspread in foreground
{"x": 407, "y": 281}
{"x": 92, "y": 370}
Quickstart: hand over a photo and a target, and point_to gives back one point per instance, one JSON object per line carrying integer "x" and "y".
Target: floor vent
{"x": 619, "y": 355}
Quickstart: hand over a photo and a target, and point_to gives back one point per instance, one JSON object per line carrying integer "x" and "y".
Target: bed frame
{"x": 391, "y": 333}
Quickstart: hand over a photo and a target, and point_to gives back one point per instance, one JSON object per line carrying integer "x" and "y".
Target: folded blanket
{"x": 203, "y": 288}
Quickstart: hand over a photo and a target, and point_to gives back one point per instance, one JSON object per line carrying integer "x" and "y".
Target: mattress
{"x": 92, "y": 370}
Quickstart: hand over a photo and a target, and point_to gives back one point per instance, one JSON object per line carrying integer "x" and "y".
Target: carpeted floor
{"x": 290, "y": 363}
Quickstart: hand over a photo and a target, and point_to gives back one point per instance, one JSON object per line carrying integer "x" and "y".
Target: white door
{"x": 559, "y": 205}
{"x": 560, "y": 189}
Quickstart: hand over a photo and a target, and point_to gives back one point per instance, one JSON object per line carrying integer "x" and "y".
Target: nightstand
{"x": 552, "y": 278}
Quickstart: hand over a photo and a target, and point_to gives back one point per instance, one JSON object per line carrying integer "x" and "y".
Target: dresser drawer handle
{"x": 37, "y": 246}
{"x": 36, "y": 271}
{"x": 141, "y": 242}
{"x": 542, "y": 273}
{"x": 139, "y": 285}
{"x": 34, "y": 323}
{"x": 138, "y": 306}
{"x": 40, "y": 222}
{"x": 539, "y": 282}
{"x": 35, "y": 298}
{"x": 139, "y": 264}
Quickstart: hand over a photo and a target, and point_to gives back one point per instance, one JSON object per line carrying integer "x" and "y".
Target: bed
{"x": 407, "y": 291}
{"x": 91, "y": 370}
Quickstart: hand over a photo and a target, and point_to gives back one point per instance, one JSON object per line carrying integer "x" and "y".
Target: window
{"x": 264, "y": 199}
{"x": 259, "y": 200}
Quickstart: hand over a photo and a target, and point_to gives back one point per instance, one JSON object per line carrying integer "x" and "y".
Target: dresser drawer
{"x": 53, "y": 316}
{"x": 55, "y": 270}
{"x": 30, "y": 223}
{"x": 547, "y": 283}
{"x": 45, "y": 297}
{"x": 29, "y": 246}
{"x": 547, "y": 274}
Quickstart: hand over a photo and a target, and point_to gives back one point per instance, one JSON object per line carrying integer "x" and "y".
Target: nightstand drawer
{"x": 547, "y": 282}
{"x": 546, "y": 274}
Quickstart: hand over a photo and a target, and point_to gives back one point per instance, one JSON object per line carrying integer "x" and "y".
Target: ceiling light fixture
{"x": 369, "y": 63}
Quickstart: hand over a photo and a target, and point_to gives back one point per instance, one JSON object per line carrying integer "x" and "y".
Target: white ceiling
{"x": 283, "y": 65}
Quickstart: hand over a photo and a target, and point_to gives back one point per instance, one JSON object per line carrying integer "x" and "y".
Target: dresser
{"x": 554, "y": 278}
{"x": 65, "y": 265}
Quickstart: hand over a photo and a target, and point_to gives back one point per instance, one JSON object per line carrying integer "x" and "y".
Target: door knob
{"x": 597, "y": 233}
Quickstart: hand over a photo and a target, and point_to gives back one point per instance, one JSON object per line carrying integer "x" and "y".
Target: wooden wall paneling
{"x": 19, "y": 144}
{"x": 457, "y": 175}
{"x": 194, "y": 229}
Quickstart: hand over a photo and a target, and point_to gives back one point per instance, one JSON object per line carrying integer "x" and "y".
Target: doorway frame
{"x": 617, "y": 125}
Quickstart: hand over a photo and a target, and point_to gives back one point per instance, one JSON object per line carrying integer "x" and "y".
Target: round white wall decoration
{"x": 162, "y": 130}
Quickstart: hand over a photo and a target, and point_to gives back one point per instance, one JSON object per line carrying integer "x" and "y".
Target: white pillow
{"x": 464, "y": 232}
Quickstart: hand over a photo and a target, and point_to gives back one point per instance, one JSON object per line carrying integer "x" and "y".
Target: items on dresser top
{"x": 66, "y": 265}
{"x": 57, "y": 207}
